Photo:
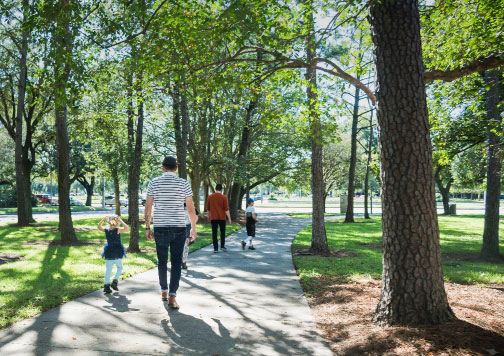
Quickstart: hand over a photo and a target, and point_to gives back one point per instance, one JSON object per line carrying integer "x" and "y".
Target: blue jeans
{"x": 173, "y": 239}
{"x": 108, "y": 269}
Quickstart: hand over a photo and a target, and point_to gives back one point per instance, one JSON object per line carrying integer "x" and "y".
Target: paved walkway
{"x": 232, "y": 303}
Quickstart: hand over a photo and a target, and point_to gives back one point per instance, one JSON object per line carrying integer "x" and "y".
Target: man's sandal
{"x": 164, "y": 296}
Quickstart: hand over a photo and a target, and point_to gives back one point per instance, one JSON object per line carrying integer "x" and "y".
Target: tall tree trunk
{"x": 368, "y": 167}
{"x": 412, "y": 283}
{"x": 23, "y": 218}
{"x": 196, "y": 184}
{"x": 349, "y": 217}
{"x": 117, "y": 193}
{"x": 490, "y": 246}
{"x": 134, "y": 176}
{"x": 63, "y": 43}
{"x": 180, "y": 125}
{"x": 319, "y": 238}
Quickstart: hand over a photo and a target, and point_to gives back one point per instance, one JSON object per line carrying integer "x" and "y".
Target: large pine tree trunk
{"x": 349, "y": 218}
{"x": 490, "y": 246}
{"x": 61, "y": 73}
{"x": 412, "y": 285}
{"x": 22, "y": 213}
{"x": 319, "y": 239}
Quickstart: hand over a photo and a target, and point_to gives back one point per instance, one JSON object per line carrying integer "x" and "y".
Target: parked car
{"x": 110, "y": 201}
{"x": 75, "y": 202}
{"x": 45, "y": 199}
{"x": 142, "y": 200}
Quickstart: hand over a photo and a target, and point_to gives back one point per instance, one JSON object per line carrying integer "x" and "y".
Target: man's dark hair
{"x": 170, "y": 162}
{"x": 218, "y": 187}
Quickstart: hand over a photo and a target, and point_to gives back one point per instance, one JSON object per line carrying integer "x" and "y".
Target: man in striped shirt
{"x": 168, "y": 193}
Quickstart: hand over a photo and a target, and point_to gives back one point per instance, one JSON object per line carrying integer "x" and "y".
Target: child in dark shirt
{"x": 114, "y": 250}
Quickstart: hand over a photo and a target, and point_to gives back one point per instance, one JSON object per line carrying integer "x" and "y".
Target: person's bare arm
{"x": 228, "y": 216}
{"x": 148, "y": 217}
{"x": 254, "y": 216}
{"x": 192, "y": 216}
{"x": 100, "y": 224}
{"x": 125, "y": 227}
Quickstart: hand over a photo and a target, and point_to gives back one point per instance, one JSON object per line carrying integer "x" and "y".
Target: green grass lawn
{"x": 309, "y": 215}
{"x": 50, "y": 275}
{"x": 51, "y": 209}
{"x": 460, "y": 245}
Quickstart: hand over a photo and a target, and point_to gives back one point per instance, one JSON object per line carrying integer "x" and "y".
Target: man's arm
{"x": 192, "y": 216}
{"x": 148, "y": 217}
{"x": 228, "y": 216}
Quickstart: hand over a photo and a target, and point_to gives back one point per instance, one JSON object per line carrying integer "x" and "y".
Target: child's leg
{"x": 186, "y": 250}
{"x": 108, "y": 270}
{"x": 249, "y": 238}
{"x": 119, "y": 268}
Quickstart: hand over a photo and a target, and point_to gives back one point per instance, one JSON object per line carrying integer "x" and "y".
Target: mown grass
{"x": 460, "y": 246}
{"x": 52, "y": 209}
{"x": 50, "y": 275}
{"x": 309, "y": 215}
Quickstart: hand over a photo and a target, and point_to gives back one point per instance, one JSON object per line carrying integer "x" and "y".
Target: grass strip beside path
{"x": 461, "y": 238}
{"x": 51, "y": 209}
{"x": 49, "y": 275}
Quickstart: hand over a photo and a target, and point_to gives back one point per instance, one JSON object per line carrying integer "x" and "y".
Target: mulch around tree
{"x": 344, "y": 314}
{"x": 9, "y": 257}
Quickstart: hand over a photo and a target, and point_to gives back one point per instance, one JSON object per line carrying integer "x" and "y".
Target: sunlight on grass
{"x": 460, "y": 247}
{"x": 50, "y": 275}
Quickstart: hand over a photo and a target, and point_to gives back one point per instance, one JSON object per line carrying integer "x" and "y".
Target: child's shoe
{"x": 106, "y": 289}
{"x": 243, "y": 245}
{"x": 114, "y": 284}
{"x": 184, "y": 265}
{"x": 251, "y": 248}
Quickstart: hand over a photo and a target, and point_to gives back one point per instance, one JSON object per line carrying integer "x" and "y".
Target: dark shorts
{"x": 250, "y": 230}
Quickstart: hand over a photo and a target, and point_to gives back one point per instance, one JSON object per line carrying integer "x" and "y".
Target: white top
{"x": 250, "y": 210}
{"x": 169, "y": 192}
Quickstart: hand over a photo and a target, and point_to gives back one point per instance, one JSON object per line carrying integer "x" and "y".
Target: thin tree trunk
{"x": 490, "y": 246}
{"x": 23, "y": 218}
{"x": 445, "y": 191}
{"x": 412, "y": 283}
{"x": 180, "y": 125}
{"x": 117, "y": 193}
{"x": 134, "y": 177}
{"x": 368, "y": 167}
{"x": 62, "y": 73}
{"x": 349, "y": 217}
{"x": 319, "y": 238}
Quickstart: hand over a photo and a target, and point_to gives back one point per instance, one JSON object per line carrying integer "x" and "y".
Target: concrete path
{"x": 232, "y": 303}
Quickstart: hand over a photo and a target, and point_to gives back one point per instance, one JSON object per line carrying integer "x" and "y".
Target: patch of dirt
{"x": 9, "y": 257}
{"x": 344, "y": 314}
{"x": 60, "y": 243}
{"x": 332, "y": 253}
{"x": 30, "y": 225}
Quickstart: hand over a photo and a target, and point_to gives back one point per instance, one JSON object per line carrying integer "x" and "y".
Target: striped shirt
{"x": 169, "y": 193}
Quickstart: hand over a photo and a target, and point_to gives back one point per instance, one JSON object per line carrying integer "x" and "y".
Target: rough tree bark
{"x": 63, "y": 55}
{"x": 412, "y": 283}
{"x": 349, "y": 217}
{"x": 319, "y": 238}
{"x": 490, "y": 246}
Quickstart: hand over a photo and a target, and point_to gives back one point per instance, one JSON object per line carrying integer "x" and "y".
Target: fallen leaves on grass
{"x": 344, "y": 311}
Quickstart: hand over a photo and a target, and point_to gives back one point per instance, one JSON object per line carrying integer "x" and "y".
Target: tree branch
{"x": 484, "y": 63}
